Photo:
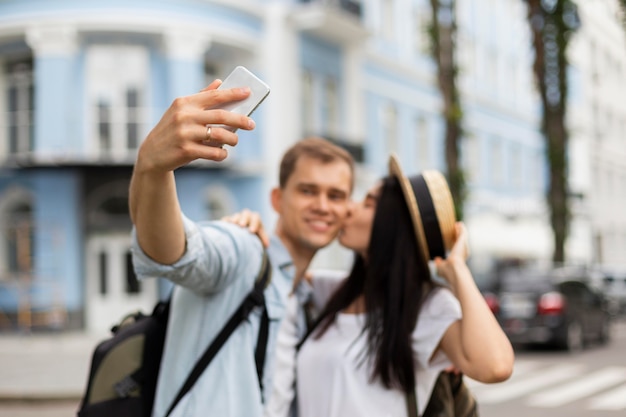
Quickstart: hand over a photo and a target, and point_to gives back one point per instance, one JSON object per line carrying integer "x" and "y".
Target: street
{"x": 544, "y": 383}
{"x": 553, "y": 383}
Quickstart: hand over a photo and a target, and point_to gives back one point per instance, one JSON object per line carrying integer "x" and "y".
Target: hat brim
{"x": 438, "y": 206}
{"x": 409, "y": 196}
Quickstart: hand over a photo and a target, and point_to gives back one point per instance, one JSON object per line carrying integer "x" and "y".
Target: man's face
{"x": 313, "y": 204}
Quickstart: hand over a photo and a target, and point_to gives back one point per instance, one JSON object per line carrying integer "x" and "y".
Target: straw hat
{"x": 432, "y": 210}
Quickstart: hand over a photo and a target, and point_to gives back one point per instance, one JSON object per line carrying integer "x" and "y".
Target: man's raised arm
{"x": 180, "y": 137}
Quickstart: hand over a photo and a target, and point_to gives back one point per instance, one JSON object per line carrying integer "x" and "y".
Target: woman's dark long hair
{"x": 392, "y": 282}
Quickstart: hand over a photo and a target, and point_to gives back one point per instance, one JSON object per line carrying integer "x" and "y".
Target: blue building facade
{"x": 83, "y": 83}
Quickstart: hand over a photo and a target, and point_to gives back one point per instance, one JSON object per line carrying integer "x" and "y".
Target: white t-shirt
{"x": 282, "y": 393}
{"x": 334, "y": 379}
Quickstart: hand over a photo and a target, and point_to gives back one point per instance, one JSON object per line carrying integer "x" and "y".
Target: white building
{"x": 598, "y": 127}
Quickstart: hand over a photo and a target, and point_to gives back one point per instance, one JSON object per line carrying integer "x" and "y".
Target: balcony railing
{"x": 338, "y": 21}
{"x": 350, "y": 6}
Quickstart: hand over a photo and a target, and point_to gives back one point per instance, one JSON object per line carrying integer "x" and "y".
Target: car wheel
{"x": 574, "y": 338}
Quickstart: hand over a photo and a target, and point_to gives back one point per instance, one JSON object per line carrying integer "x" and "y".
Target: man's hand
{"x": 181, "y": 136}
{"x": 252, "y": 221}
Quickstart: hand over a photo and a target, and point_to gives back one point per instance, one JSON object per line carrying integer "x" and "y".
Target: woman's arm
{"x": 476, "y": 343}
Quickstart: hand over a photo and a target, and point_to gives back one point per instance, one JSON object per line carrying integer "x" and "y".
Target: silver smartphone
{"x": 242, "y": 77}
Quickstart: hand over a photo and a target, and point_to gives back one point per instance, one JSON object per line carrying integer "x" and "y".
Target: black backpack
{"x": 125, "y": 368}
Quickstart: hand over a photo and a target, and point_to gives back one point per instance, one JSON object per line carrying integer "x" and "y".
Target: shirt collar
{"x": 280, "y": 256}
{"x": 282, "y": 259}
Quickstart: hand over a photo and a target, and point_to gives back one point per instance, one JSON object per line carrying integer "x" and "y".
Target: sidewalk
{"x": 54, "y": 367}
{"x": 41, "y": 367}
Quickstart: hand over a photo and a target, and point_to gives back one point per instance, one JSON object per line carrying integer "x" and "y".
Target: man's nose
{"x": 322, "y": 202}
{"x": 351, "y": 207}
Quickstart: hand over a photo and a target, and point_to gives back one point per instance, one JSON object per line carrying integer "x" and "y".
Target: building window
{"x": 537, "y": 171}
{"x": 387, "y": 20}
{"x": 421, "y": 21}
{"x": 308, "y": 103}
{"x": 390, "y": 127}
{"x": 471, "y": 158}
{"x": 422, "y": 140}
{"x": 17, "y": 235}
{"x": 497, "y": 162}
{"x": 106, "y": 206}
{"x": 331, "y": 107}
{"x": 19, "y": 106}
{"x": 516, "y": 167}
{"x": 117, "y": 92}
{"x": 211, "y": 72}
{"x": 468, "y": 57}
{"x": 104, "y": 125}
{"x": 492, "y": 68}
{"x": 133, "y": 117}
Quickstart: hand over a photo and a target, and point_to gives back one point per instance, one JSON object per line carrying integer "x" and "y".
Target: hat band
{"x": 430, "y": 222}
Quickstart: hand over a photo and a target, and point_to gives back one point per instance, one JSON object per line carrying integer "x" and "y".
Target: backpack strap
{"x": 261, "y": 347}
{"x": 261, "y": 344}
{"x": 254, "y": 299}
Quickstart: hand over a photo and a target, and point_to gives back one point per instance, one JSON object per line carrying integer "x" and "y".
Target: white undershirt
{"x": 333, "y": 379}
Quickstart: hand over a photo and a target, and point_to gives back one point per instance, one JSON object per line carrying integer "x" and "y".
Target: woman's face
{"x": 357, "y": 228}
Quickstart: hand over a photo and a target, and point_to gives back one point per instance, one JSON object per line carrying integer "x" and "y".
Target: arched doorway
{"x": 112, "y": 289}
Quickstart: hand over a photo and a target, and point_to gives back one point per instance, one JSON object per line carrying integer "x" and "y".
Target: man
{"x": 214, "y": 264}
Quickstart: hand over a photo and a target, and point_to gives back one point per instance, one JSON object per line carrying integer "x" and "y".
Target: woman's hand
{"x": 460, "y": 248}
{"x": 252, "y": 221}
{"x": 458, "y": 254}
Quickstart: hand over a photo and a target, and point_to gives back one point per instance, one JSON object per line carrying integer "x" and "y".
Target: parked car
{"x": 614, "y": 286}
{"x": 553, "y": 307}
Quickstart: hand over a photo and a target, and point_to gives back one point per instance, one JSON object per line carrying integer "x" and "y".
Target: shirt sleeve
{"x": 214, "y": 254}
{"x": 283, "y": 390}
{"x": 438, "y": 312}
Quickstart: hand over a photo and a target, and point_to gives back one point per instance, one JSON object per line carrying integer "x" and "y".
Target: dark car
{"x": 552, "y": 307}
{"x": 614, "y": 287}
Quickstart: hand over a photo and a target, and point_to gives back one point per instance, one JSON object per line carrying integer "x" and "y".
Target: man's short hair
{"x": 317, "y": 148}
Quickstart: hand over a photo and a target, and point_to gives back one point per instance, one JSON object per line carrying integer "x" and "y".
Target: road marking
{"x": 491, "y": 394}
{"x": 589, "y": 384}
{"x": 612, "y": 400}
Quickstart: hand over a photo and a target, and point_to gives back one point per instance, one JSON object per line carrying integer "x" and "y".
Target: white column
{"x": 55, "y": 49}
{"x": 52, "y": 40}
{"x": 185, "y": 45}
{"x": 354, "y": 93}
{"x": 185, "y": 64}
{"x": 281, "y": 68}
{"x": 4, "y": 146}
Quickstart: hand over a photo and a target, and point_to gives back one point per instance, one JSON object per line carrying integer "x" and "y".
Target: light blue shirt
{"x": 214, "y": 275}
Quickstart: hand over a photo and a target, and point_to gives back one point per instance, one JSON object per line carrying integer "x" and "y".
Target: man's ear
{"x": 276, "y": 197}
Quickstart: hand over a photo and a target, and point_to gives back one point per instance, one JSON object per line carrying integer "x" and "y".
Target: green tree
{"x": 552, "y": 23}
{"x": 443, "y": 37}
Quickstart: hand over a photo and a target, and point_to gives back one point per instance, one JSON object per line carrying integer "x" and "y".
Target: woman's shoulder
{"x": 440, "y": 301}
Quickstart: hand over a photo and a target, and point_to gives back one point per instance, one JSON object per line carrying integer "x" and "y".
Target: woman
{"x": 388, "y": 329}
